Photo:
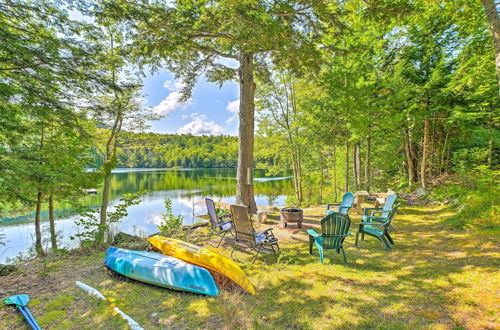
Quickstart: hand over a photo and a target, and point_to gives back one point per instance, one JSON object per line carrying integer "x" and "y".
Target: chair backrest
{"x": 391, "y": 215}
{"x": 211, "y": 212}
{"x": 346, "y": 204}
{"x": 334, "y": 228}
{"x": 389, "y": 204}
{"x": 242, "y": 223}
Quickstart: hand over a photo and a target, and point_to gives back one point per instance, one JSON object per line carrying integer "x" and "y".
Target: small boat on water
{"x": 204, "y": 258}
{"x": 161, "y": 270}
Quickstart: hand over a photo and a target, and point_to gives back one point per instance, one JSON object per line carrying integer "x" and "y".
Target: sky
{"x": 210, "y": 111}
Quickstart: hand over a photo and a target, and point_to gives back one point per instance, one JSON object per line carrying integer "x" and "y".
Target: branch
{"x": 293, "y": 12}
{"x": 214, "y": 52}
{"x": 209, "y": 35}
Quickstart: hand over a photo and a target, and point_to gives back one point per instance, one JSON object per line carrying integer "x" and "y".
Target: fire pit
{"x": 291, "y": 214}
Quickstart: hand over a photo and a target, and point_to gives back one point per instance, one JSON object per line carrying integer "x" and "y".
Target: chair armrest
{"x": 313, "y": 233}
{"x": 368, "y": 209}
{"x": 270, "y": 229}
{"x": 371, "y": 224}
{"x": 334, "y": 204}
{"x": 371, "y": 217}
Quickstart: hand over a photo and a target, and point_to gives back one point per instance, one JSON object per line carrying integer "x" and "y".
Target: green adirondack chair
{"x": 334, "y": 230}
{"x": 344, "y": 206}
{"x": 378, "y": 228}
{"x": 380, "y": 214}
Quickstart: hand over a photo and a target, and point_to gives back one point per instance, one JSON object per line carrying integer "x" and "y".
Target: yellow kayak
{"x": 202, "y": 257}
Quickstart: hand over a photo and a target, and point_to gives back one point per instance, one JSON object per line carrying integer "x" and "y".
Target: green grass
{"x": 436, "y": 277}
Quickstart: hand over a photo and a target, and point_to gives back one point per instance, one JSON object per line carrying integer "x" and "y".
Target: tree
{"x": 118, "y": 106}
{"x": 490, "y": 6}
{"x": 44, "y": 75}
{"x": 193, "y": 37}
{"x": 278, "y": 107}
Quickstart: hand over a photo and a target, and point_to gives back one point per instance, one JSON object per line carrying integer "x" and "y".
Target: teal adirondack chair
{"x": 344, "y": 206}
{"x": 334, "y": 230}
{"x": 380, "y": 214}
{"x": 378, "y": 228}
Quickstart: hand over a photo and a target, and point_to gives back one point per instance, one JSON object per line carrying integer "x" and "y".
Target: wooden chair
{"x": 245, "y": 233}
{"x": 344, "y": 206}
{"x": 378, "y": 228}
{"x": 219, "y": 226}
{"x": 334, "y": 230}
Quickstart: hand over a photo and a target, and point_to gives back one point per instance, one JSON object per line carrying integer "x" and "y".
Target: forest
{"x": 150, "y": 150}
{"x": 338, "y": 100}
{"x": 355, "y": 95}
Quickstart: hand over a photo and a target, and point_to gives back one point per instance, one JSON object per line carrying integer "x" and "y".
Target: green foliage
{"x": 169, "y": 220}
{"x": 91, "y": 228}
{"x": 476, "y": 195}
{"x": 176, "y": 151}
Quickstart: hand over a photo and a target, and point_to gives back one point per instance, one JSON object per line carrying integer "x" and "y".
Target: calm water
{"x": 186, "y": 188}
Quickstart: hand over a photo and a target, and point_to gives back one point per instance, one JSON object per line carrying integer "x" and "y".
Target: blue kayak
{"x": 161, "y": 270}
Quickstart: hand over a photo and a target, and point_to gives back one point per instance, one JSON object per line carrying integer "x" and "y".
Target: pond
{"x": 185, "y": 187}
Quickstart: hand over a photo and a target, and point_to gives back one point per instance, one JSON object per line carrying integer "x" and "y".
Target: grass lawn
{"x": 435, "y": 278}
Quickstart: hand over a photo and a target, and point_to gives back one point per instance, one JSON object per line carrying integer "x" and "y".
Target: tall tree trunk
{"x": 494, "y": 23}
{"x": 346, "y": 186}
{"x": 368, "y": 160}
{"x": 299, "y": 175}
{"x": 244, "y": 175}
{"x": 425, "y": 154}
{"x": 409, "y": 158}
{"x": 109, "y": 164}
{"x": 38, "y": 230}
{"x": 53, "y": 236}
{"x": 39, "y": 200}
{"x": 357, "y": 165}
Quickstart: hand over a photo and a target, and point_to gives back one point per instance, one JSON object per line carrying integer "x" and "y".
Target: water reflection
{"x": 186, "y": 188}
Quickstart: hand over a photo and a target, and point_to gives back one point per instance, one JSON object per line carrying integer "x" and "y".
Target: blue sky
{"x": 210, "y": 111}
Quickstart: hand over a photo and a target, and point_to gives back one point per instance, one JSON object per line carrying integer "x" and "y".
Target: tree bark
{"x": 368, "y": 160}
{"x": 357, "y": 165}
{"x": 409, "y": 158}
{"x": 425, "y": 154}
{"x": 244, "y": 175}
{"x": 335, "y": 188}
{"x": 494, "y": 23}
{"x": 109, "y": 161}
{"x": 39, "y": 200}
{"x": 38, "y": 230}
{"x": 53, "y": 236}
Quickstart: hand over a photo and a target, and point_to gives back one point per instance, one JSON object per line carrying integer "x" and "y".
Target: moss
{"x": 61, "y": 302}
{"x": 51, "y": 318}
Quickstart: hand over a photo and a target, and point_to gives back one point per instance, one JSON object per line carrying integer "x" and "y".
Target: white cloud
{"x": 234, "y": 108}
{"x": 200, "y": 126}
{"x": 172, "y": 101}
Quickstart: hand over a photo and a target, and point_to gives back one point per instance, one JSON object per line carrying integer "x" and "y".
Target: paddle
{"x": 21, "y": 301}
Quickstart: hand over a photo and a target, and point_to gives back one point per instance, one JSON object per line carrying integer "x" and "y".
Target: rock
{"x": 126, "y": 238}
{"x": 7, "y": 269}
{"x": 419, "y": 192}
